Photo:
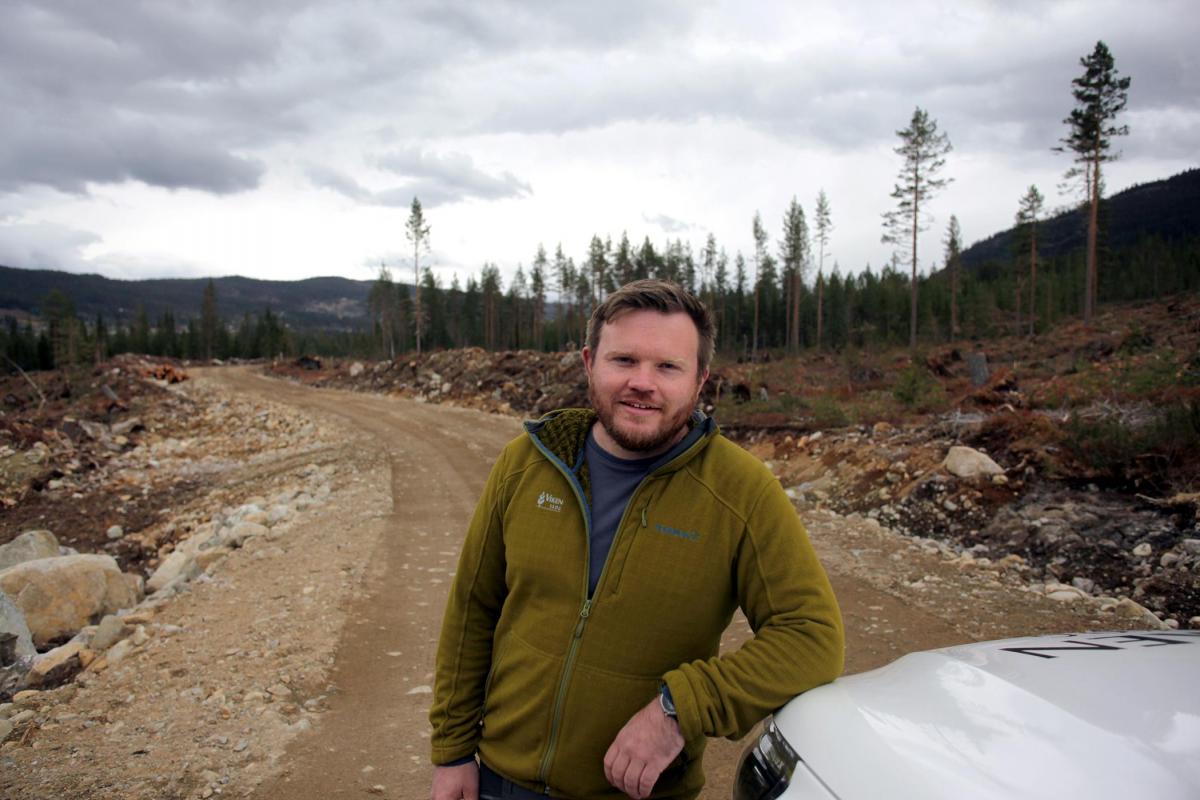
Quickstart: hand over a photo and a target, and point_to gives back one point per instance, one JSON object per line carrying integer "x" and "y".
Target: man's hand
{"x": 645, "y": 747}
{"x": 456, "y": 783}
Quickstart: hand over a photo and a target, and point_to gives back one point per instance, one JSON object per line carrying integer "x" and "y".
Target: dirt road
{"x": 439, "y": 459}
{"x": 353, "y": 611}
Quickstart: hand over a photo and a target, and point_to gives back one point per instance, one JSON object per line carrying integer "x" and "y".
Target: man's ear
{"x": 587, "y": 360}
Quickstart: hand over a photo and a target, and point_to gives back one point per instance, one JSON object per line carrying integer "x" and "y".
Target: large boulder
{"x": 29, "y": 546}
{"x": 58, "y": 596}
{"x": 965, "y": 462}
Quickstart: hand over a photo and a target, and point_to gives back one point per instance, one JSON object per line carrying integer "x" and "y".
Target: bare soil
{"x": 302, "y": 666}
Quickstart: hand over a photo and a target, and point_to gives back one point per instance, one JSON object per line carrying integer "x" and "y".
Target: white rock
{"x": 118, "y": 652}
{"x": 239, "y": 533}
{"x": 115, "y": 532}
{"x": 12, "y": 621}
{"x": 356, "y": 369}
{"x": 58, "y": 596}
{"x": 966, "y": 462}
{"x": 176, "y": 565}
{"x": 279, "y": 513}
{"x": 1143, "y": 550}
{"x": 110, "y": 631}
{"x": 29, "y": 546}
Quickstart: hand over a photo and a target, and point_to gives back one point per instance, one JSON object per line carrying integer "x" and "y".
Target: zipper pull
{"x": 583, "y": 617}
{"x": 644, "y": 514}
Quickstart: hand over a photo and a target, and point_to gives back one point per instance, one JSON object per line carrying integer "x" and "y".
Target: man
{"x": 579, "y": 649}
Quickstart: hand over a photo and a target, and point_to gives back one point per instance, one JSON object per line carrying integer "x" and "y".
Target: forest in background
{"x": 1150, "y": 249}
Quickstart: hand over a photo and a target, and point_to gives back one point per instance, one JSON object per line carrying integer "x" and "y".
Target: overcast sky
{"x": 286, "y": 140}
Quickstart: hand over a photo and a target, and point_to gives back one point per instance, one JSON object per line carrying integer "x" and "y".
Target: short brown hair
{"x": 664, "y": 297}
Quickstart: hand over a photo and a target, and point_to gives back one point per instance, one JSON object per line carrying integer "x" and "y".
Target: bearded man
{"x": 579, "y": 653}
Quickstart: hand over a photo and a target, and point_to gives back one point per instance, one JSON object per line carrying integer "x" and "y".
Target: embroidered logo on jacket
{"x": 691, "y": 536}
{"x": 549, "y": 502}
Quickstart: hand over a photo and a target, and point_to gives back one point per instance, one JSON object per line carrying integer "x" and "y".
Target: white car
{"x": 1095, "y": 715}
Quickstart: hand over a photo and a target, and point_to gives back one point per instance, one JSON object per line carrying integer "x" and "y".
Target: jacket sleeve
{"x": 798, "y": 638}
{"x": 473, "y": 608}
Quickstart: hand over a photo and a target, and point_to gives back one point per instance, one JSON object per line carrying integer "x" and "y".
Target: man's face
{"x": 643, "y": 381}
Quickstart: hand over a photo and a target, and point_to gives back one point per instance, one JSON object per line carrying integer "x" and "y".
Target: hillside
{"x": 325, "y": 303}
{"x": 1168, "y": 209}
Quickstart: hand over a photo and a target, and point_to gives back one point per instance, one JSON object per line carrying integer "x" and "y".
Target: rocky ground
{"x": 210, "y": 675}
{"x": 297, "y": 545}
{"x": 1111, "y": 517}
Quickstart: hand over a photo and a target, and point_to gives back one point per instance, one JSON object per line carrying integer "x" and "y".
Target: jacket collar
{"x": 564, "y": 433}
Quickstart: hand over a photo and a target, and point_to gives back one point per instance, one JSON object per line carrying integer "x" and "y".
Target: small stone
{"x": 1171, "y": 623}
{"x": 241, "y": 745}
{"x": 1192, "y": 546}
{"x": 111, "y": 630}
{"x": 1194, "y": 622}
{"x": 6, "y": 728}
{"x": 115, "y": 532}
{"x": 1143, "y": 550}
{"x": 423, "y": 689}
{"x": 378, "y": 788}
{"x": 117, "y": 653}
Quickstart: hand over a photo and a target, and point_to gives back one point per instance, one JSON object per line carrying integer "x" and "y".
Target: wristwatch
{"x": 666, "y": 701}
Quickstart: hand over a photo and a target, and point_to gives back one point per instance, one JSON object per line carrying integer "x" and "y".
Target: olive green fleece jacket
{"x": 538, "y": 678}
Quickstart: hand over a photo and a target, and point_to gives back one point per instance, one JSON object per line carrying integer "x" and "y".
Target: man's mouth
{"x": 638, "y": 406}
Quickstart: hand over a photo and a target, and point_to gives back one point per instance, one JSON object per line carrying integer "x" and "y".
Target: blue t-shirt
{"x": 613, "y": 483}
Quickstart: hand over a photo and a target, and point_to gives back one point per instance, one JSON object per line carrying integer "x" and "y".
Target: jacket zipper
{"x": 585, "y": 610}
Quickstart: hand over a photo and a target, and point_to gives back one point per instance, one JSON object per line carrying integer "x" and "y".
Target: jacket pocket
{"x": 517, "y": 708}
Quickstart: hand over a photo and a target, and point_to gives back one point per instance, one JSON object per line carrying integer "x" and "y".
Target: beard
{"x": 637, "y": 440}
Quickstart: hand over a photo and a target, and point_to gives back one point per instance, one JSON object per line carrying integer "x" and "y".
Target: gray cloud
{"x": 45, "y": 246}
{"x": 435, "y": 179}
{"x": 450, "y": 177}
{"x": 668, "y": 224}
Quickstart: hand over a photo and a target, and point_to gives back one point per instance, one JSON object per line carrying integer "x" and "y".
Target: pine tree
{"x": 924, "y": 151}
{"x": 383, "y": 305}
{"x": 209, "y": 319}
{"x": 1027, "y": 220}
{"x": 417, "y": 232}
{"x": 824, "y": 226}
{"x": 537, "y": 290}
{"x": 953, "y": 242}
{"x": 793, "y": 252}
{"x": 760, "y": 250}
{"x": 1099, "y": 96}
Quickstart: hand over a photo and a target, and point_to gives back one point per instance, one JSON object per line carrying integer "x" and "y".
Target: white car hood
{"x": 1091, "y": 715}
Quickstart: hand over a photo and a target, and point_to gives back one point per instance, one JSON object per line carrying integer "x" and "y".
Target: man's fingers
{"x": 615, "y": 769}
{"x": 648, "y": 779}
{"x": 632, "y": 779}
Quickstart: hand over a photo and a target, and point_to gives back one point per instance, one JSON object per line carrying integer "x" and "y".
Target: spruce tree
{"x": 1099, "y": 96}
{"x": 924, "y": 151}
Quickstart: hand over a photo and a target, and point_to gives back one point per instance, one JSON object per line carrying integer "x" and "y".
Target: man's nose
{"x": 642, "y": 379}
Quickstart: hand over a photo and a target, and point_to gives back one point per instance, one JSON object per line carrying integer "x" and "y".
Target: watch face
{"x": 667, "y": 703}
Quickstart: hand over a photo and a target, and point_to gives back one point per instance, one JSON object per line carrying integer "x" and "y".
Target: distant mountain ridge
{"x": 313, "y": 303}
{"x": 1168, "y": 208}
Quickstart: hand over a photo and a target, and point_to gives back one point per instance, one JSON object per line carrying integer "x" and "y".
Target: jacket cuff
{"x": 452, "y": 756}
{"x": 686, "y": 709}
